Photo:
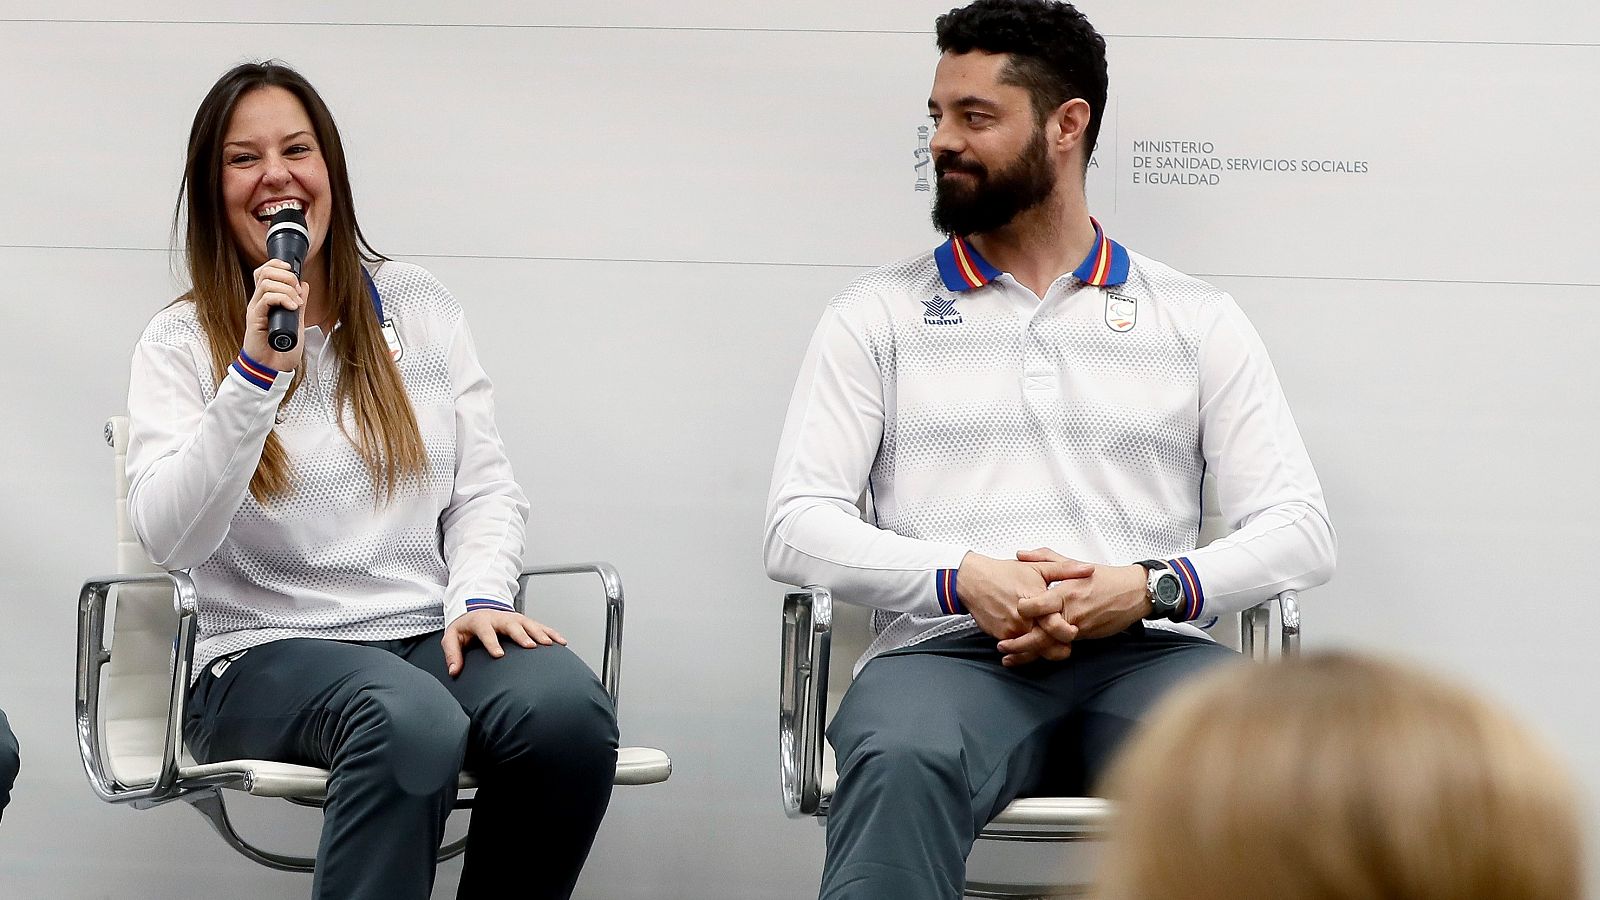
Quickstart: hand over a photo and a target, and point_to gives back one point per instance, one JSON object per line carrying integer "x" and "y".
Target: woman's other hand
{"x": 486, "y": 626}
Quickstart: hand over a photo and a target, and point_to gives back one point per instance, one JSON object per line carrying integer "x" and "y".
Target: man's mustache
{"x": 952, "y": 163}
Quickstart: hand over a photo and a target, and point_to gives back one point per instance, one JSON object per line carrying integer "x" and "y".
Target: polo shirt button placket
{"x": 1040, "y": 381}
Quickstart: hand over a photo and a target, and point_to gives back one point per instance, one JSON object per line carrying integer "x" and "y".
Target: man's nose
{"x": 944, "y": 141}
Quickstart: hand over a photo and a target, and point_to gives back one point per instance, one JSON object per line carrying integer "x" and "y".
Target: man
{"x": 1028, "y": 384}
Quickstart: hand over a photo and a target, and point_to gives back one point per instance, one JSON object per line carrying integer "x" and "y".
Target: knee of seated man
{"x": 904, "y": 755}
{"x": 420, "y": 736}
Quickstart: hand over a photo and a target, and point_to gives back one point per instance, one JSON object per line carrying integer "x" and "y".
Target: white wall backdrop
{"x": 644, "y": 207}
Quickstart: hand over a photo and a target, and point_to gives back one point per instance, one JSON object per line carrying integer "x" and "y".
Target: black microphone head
{"x": 289, "y": 214}
{"x": 288, "y": 238}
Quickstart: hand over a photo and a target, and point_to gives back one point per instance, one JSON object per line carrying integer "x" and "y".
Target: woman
{"x": 1339, "y": 778}
{"x": 353, "y": 529}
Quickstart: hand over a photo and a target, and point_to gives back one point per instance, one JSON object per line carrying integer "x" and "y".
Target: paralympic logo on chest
{"x": 940, "y": 311}
{"x": 391, "y": 338}
{"x": 1122, "y": 312}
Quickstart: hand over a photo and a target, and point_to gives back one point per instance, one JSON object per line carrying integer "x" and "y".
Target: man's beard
{"x": 991, "y": 202}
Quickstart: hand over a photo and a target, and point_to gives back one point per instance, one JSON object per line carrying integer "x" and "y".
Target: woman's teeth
{"x": 271, "y": 209}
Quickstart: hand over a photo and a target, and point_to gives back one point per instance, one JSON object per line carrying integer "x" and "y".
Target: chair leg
{"x": 453, "y": 849}
{"x": 210, "y": 804}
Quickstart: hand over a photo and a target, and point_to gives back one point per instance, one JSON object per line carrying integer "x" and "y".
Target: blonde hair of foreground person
{"x": 1337, "y": 777}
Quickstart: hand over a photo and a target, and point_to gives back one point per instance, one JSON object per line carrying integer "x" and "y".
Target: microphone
{"x": 288, "y": 240}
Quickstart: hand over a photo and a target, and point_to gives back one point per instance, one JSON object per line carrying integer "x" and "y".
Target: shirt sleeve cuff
{"x": 1194, "y": 595}
{"x": 253, "y": 372}
{"x": 944, "y": 590}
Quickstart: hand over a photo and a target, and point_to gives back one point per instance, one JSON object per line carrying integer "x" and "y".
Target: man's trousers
{"x": 935, "y": 739}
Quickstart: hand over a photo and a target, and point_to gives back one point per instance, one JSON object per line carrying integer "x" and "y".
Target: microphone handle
{"x": 283, "y": 325}
{"x": 283, "y": 328}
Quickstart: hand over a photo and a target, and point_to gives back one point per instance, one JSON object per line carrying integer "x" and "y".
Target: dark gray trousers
{"x": 394, "y": 730}
{"x": 934, "y": 740}
{"x": 10, "y": 762}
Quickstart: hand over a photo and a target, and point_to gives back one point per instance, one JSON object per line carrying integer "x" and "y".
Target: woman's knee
{"x": 589, "y": 716}
{"x": 551, "y": 719}
{"x": 418, "y": 737}
{"x": 578, "y": 715}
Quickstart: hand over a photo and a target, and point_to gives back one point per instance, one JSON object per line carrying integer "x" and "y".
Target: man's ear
{"x": 1071, "y": 124}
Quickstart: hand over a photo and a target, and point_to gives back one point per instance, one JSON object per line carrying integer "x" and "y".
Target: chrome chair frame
{"x": 807, "y": 643}
{"x": 130, "y": 715}
{"x": 204, "y": 792}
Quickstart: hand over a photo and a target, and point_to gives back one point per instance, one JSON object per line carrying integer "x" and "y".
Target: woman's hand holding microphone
{"x": 275, "y": 286}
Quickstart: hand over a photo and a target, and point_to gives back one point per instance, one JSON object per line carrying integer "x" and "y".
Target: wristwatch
{"x": 1161, "y": 586}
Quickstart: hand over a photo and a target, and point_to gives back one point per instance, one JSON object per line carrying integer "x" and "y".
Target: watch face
{"x": 1167, "y": 589}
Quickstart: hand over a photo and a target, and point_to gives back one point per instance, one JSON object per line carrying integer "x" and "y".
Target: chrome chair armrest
{"x": 611, "y": 582}
{"x": 1289, "y": 617}
{"x": 93, "y": 656}
{"x": 803, "y": 696}
{"x": 1255, "y": 625}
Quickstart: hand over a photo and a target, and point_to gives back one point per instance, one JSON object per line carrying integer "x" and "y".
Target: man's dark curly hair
{"x": 1055, "y": 53}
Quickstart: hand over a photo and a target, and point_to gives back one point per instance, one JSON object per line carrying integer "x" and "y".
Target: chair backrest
{"x": 131, "y": 558}
{"x": 849, "y": 637}
{"x": 138, "y": 679}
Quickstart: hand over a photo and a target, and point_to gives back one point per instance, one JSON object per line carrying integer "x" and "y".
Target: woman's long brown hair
{"x": 386, "y": 433}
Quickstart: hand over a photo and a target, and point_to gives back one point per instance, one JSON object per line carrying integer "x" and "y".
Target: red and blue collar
{"x": 962, "y": 268}
{"x": 1107, "y": 262}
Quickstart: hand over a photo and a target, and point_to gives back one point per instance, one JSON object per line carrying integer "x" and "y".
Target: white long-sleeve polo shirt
{"x": 331, "y": 558}
{"x": 974, "y": 416}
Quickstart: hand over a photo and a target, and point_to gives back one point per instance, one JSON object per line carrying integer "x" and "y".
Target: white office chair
{"x": 131, "y": 695}
{"x": 821, "y": 643}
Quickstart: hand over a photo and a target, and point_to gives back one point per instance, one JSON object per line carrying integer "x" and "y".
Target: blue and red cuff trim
{"x": 254, "y": 372}
{"x": 1194, "y": 596}
{"x": 944, "y": 588}
{"x": 486, "y": 603}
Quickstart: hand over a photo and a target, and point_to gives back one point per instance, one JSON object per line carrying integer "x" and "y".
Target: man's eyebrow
{"x": 968, "y": 102}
